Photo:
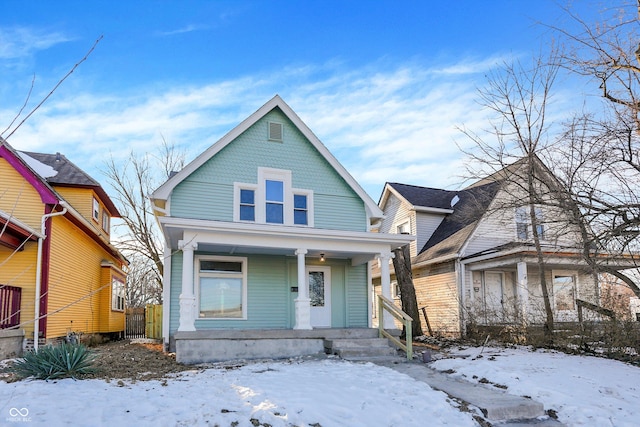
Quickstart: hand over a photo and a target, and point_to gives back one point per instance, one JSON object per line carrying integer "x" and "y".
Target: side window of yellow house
{"x": 117, "y": 295}
{"x": 105, "y": 221}
{"x": 95, "y": 213}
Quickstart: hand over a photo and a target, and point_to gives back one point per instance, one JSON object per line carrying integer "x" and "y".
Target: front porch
{"x": 203, "y": 346}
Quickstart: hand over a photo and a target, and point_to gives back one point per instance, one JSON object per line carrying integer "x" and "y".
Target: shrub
{"x": 60, "y": 361}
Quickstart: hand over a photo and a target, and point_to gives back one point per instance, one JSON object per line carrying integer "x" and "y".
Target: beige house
{"x": 474, "y": 259}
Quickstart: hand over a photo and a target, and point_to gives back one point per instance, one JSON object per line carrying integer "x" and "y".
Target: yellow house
{"x": 59, "y": 272}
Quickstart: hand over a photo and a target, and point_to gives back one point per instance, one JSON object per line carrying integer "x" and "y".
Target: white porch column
{"x": 303, "y": 302}
{"x": 187, "y": 298}
{"x": 523, "y": 290}
{"x": 385, "y": 283}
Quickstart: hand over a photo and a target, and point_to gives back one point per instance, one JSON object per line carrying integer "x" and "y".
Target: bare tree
{"x": 140, "y": 238}
{"x": 404, "y": 276}
{"x": 519, "y": 96}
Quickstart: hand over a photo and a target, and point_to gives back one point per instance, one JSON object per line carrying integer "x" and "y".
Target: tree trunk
{"x": 402, "y": 267}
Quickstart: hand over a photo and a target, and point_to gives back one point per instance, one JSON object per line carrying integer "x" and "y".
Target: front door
{"x": 319, "y": 282}
{"x": 493, "y": 297}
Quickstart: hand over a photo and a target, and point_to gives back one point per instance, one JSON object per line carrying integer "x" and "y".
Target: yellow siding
{"x": 76, "y": 283}
{"x": 20, "y": 271}
{"x": 81, "y": 199}
{"x": 18, "y": 197}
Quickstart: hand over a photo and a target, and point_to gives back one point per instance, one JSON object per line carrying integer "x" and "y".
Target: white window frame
{"x": 522, "y": 212}
{"x": 95, "y": 213}
{"x": 117, "y": 295}
{"x": 198, "y": 274}
{"x": 285, "y": 176}
{"x": 237, "y": 186}
{"x": 106, "y": 221}
{"x": 402, "y": 224}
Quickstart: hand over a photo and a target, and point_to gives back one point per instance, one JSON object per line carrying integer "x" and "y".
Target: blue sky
{"x": 384, "y": 84}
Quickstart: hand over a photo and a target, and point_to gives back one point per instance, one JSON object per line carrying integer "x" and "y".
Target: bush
{"x": 60, "y": 361}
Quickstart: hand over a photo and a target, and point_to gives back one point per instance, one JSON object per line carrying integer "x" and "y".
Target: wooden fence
{"x": 144, "y": 322}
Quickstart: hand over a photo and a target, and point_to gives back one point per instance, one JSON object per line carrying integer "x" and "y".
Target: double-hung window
{"x": 273, "y": 200}
{"x": 117, "y": 295}
{"x": 300, "y": 209}
{"x": 222, "y": 287}
{"x": 523, "y": 222}
{"x": 247, "y": 204}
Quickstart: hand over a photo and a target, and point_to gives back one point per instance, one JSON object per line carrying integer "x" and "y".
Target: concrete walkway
{"x": 497, "y": 406}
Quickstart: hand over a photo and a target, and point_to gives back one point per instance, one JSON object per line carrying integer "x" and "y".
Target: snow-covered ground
{"x": 585, "y": 391}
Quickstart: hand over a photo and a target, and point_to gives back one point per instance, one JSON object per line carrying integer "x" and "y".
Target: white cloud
{"x": 20, "y": 42}
{"x": 384, "y": 123}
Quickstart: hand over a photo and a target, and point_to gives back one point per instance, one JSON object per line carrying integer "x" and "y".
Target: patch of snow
{"x": 40, "y": 168}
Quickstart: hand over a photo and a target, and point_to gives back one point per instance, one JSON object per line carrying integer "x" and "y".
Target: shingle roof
{"x": 68, "y": 172}
{"x": 71, "y": 175}
{"x": 456, "y": 227}
{"x": 424, "y": 196}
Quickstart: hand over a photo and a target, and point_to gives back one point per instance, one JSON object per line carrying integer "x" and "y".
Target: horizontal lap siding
{"x": 75, "y": 282}
{"x": 18, "y": 198}
{"x": 356, "y": 294}
{"x": 208, "y": 192}
{"x": 437, "y": 291}
{"x": 175, "y": 290}
{"x": 20, "y": 271}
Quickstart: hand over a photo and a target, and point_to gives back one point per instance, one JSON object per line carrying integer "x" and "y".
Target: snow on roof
{"x": 38, "y": 167}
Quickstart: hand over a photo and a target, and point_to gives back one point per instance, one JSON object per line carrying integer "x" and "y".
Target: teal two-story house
{"x": 268, "y": 245}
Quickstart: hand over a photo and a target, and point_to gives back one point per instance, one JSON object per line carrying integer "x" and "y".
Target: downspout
{"x": 36, "y": 324}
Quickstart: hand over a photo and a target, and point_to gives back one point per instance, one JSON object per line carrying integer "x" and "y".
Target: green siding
{"x": 270, "y": 302}
{"x": 208, "y": 192}
{"x": 356, "y": 296}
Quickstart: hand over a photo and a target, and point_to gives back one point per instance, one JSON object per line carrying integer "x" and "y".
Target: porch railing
{"x": 386, "y": 305}
{"x": 9, "y": 306}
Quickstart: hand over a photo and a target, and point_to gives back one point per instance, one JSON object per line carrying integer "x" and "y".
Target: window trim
{"x": 117, "y": 300}
{"x": 522, "y": 212}
{"x": 402, "y": 223}
{"x": 106, "y": 222}
{"x": 197, "y": 276}
{"x": 271, "y": 174}
{"x": 237, "y": 187}
{"x": 95, "y": 211}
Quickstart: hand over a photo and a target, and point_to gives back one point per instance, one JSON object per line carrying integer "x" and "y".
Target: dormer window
{"x": 273, "y": 200}
{"x": 105, "y": 221}
{"x": 96, "y": 210}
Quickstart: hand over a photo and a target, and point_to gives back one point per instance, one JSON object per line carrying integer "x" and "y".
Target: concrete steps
{"x": 360, "y": 348}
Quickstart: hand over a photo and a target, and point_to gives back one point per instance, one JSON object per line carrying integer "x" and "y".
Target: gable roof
{"x": 456, "y": 228}
{"x": 432, "y": 199}
{"x": 69, "y": 175}
{"x": 164, "y": 191}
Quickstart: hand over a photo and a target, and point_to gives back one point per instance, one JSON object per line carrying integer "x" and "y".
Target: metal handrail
{"x": 385, "y": 303}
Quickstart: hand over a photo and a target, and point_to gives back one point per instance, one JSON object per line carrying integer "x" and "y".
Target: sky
{"x": 581, "y": 390}
{"x": 386, "y": 85}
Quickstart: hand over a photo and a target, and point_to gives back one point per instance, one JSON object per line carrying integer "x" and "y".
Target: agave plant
{"x": 60, "y": 361}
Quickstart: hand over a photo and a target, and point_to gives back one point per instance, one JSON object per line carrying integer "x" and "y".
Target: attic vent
{"x": 275, "y": 131}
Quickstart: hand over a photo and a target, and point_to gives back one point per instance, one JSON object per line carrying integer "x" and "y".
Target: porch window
{"x": 117, "y": 295}
{"x": 564, "y": 291}
{"x": 222, "y": 287}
